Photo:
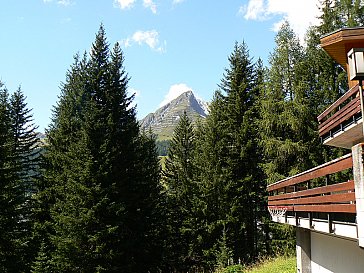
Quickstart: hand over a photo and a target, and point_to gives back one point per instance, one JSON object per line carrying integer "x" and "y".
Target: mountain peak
{"x": 188, "y": 93}
{"x": 163, "y": 121}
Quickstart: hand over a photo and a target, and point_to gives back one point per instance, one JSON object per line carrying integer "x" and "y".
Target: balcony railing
{"x": 298, "y": 193}
{"x": 318, "y": 196}
{"x": 338, "y": 124}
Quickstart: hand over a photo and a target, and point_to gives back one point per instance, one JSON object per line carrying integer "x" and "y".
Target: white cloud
{"x": 254, "y": 10}
{"x": 177, "y": 1}
{"x": 127, "y": 4}
{"x": 150, "y": 38}
{"x": 174, "y": 91}
{"x": 151, "y": 5}
{"x": 299, "y": 13}
{"x": 124, "y": 4}
{"x": 65, "y": 3}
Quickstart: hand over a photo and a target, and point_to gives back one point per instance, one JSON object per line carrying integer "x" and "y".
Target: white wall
{"x": 330, "y": 254}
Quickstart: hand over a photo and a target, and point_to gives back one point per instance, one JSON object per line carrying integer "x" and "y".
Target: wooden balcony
{"x": 316, "y": 200}
{"x": 341, "y": 124}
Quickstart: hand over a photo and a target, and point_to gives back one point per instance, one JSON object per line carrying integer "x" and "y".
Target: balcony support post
{"x": 329, "y": 221}
{"x": 303, "y": 250}
{"x": 358, "y": 172}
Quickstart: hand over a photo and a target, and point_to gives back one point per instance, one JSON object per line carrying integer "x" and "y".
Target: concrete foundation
{"x": 330, "y": 254}
{"x": 303, "y": 250}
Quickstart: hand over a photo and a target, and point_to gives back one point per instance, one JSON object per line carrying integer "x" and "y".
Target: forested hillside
{"x": 96, "y": 199}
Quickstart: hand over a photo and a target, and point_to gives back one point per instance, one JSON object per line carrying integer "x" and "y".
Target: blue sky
{"x": 169, "y": 45}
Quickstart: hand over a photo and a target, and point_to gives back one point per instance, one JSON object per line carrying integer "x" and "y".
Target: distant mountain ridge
{"x": 163, "y": 121}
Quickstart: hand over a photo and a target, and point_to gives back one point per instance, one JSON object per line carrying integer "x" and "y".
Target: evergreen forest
{"x": 94, "y": 198}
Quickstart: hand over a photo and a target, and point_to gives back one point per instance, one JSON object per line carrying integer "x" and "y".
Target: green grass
{"x": 276, "y": 265}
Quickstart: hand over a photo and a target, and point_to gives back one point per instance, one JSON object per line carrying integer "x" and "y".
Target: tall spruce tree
{"x": 102, "y": 175}
{"x": 211, "y": 147}
{"x": 284, "y": 111}
{"x": 326, "y": 80}
{"x": 25, "y": 143}
{"x": 181, "y": 197}
{"x": 284, "y": 124}
{"x": 25, "y": 170}
{"x": 18, "y": 169}
{"x": 228, "y": 162}
{"x": 242, "y": 158}
{"x": 7, "y": 193}
{"x": 262, "y": 217}
{"x": 59, "y": 194}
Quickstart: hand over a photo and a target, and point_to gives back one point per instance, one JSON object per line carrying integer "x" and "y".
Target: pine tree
{"x": 7, "y": 207}
{"x": 351, "y": 12}
{"x": 284, "y": 111}
{"x": 19, "y": 163}
{"x": 227, "y": 161}
{"x": 65, "y": 162}
{"x": 284, "y": 124}
{"x": 244, "y": 184}
{"x": 25, "y": 144}
{"x": 102, "y": 175}
{"x": 326, "y": 80}
{"x": 181, "y": 193}
{"x": 211, "y": 148}
{"x": 25, "y": 169}
{"x": 262, "y": 217}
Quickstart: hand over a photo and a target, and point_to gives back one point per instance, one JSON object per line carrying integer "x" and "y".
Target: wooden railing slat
{"x": 344, "y": 186}
{"x": 353, "y": 110}
{"x": 332, "y": 198}
{"x": 344, "y": 112}
{"x": 343, "y": 208}
{"x": 343, "y": 98}
{"x": 334, "y": 166}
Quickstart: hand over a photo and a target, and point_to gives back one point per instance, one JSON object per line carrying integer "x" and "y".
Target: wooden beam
{"x": 345, "y": 186}
{"x": 343, "y": 208}
{"x": 337, "y": 165}
{"x": 352, "y": 91}
{"x": 317, "y": 200}
{"x": 339, "y": 114}
{"x": 347, "y": 113}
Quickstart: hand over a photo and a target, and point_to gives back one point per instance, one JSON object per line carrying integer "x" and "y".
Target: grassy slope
{"x": 277, "y": 265}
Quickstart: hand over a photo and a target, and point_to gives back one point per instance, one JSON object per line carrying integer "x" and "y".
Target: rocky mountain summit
{"x": 163, "y": 121}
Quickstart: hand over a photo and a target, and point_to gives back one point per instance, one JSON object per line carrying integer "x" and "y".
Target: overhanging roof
{"x": 338, "y": 43}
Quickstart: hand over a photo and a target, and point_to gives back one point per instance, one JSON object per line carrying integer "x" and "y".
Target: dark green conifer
{"x": 102, "y": 175}
{"x": 8, "y": 245}
{"x": 19, "y": 163}
{"x": 284, "y": 111}
{"x": 25, "y": 170}
{"x": 181, "y": 193}
{"x": 284, "y": 121}
{"x": 243, "y": 186}
{"x": 231, "y": 184}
